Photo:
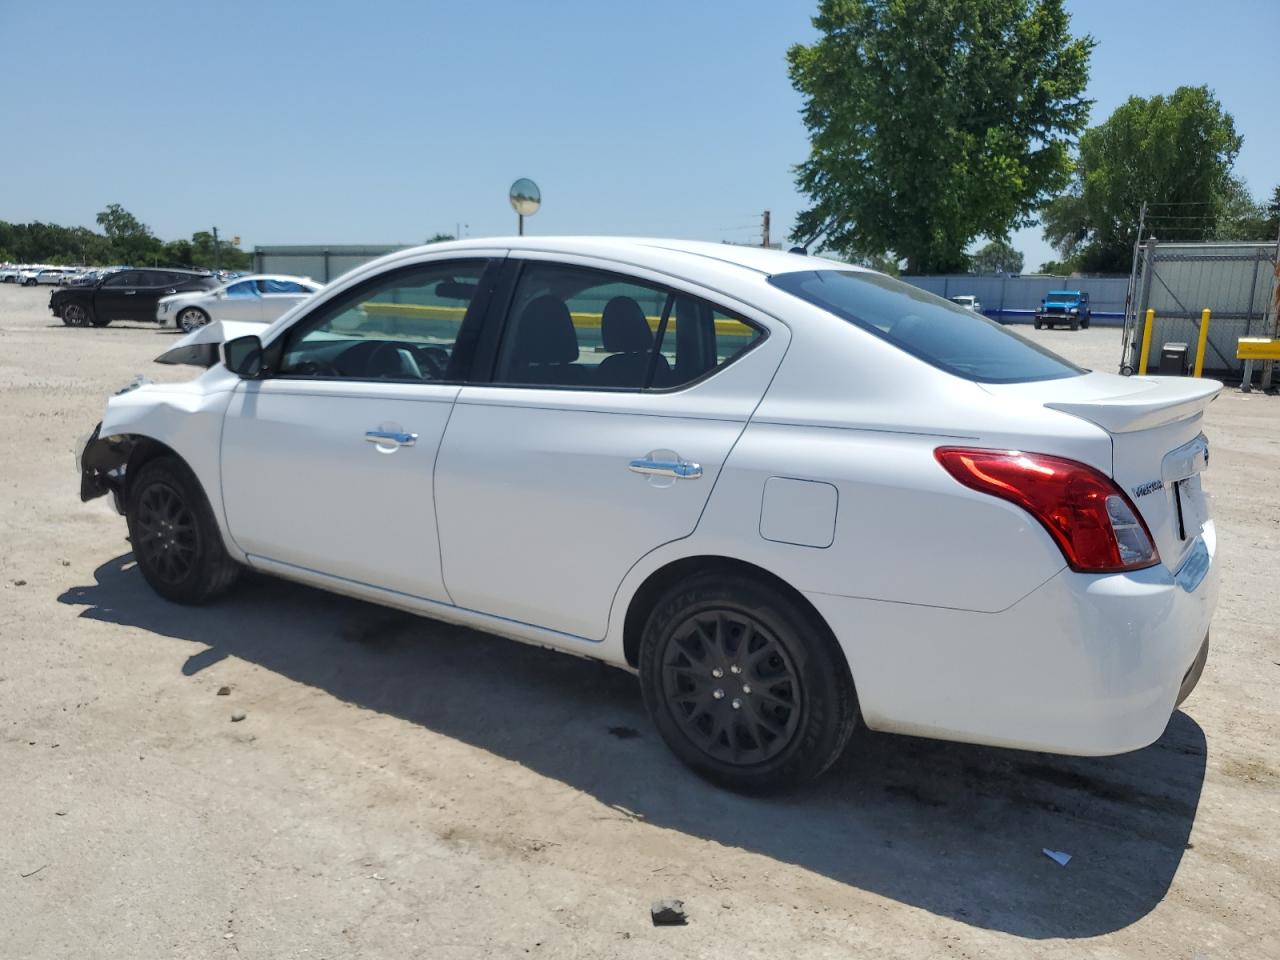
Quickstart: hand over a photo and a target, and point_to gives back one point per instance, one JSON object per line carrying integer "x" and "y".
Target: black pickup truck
{"x": 126, "y": 295}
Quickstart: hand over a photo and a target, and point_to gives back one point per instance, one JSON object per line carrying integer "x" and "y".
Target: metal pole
{"x": 1204, "y": 336}
{"x": 1131, "y": 319}
{"x": 1148, "y": 268}
{"x": 764, "y": 231}
{"x": 520, "y": 227}
{"x": 217, "y": 254}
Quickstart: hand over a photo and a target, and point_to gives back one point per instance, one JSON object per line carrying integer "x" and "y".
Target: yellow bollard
{"x": 1146, "y": 342}
{"x": 1204, "y": 336}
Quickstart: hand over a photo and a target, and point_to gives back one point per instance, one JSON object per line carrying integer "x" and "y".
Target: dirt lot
{"x": 402, "y": 788}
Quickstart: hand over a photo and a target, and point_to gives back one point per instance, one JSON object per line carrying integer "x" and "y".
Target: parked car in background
{"x": 968, "y": 301}
{"x": 1064, "y": 307}
{"x": 27, "y": 276}
{"x": 124, "y": 295}
{"x": 55, "y": 276}
{"x": 257, "y": 299}
{"x": 794, "y": 496}
{"x": 9, "y": 274}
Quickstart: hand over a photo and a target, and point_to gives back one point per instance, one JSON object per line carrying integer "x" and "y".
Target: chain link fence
{"x": 1234, "y": 281}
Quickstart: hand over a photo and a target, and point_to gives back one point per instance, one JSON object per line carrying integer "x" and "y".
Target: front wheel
{"x": 745, "y": 685}
{"x": 175, "y": 537}
{"x": 192, "y": 318}
{"x": 76, "y": 315}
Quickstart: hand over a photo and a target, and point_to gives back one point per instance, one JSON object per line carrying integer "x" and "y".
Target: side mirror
{"x": 243, "y": 357}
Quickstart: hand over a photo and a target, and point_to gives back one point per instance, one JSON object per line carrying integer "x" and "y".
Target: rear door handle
{"x": 391, "y": 439}
{"x": 679, "y": 469}
{"x": 130, "y": 293}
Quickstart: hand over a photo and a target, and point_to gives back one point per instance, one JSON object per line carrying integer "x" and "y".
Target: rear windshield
{"x": 959, "y": 341}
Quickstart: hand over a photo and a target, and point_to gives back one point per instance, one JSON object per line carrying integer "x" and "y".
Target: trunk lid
{"x": 1158, "y": 449}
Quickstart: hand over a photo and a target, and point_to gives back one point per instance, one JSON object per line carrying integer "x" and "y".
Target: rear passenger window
{"x": 576, "y": 327}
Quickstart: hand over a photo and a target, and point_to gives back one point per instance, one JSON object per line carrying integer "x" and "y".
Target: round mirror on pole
{"x": 525, "y": 198}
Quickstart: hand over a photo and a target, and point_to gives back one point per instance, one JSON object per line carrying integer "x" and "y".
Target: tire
{"x": 1075, "y": 324}
{"x": 786, "y": 706}
{"x": 1085, "y": 323}
{"x": 77, "y": 315}
{"x": 29, "y": 283}
{"x": 175, "y": 538}
{"x": 1039, "y": 324}
{"x": 191, "y": 318}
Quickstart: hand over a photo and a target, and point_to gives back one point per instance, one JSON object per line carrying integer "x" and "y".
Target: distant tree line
{"x": 124, "y": 240}
{"x": 937, "y": 124}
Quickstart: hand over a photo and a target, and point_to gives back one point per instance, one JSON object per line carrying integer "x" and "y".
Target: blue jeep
{"x": 1070, "y": 307}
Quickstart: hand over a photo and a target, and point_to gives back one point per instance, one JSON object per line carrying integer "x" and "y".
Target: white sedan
{"x": 256, "y": 299}
{"x": 792, "y": 495}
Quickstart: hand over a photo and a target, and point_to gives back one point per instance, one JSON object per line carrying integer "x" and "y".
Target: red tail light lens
{"x": 1093, "y": 522}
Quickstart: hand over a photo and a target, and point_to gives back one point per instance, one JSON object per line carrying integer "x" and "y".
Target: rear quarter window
{"x": 951, "y": 338}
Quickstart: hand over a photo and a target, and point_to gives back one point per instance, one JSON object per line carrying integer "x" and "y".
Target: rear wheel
{"x": 175, "y": 536}
{"x": 1039, "y": 324}
{"x": 1075, "y": 324}
{"x": 745, "y": 686}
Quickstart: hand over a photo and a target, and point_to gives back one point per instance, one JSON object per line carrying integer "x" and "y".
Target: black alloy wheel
{"x": 168, "y": 539}
{"x": 745, "y": 682}
{"x": 175, "y": 536}
{"x": 731, "y": 687}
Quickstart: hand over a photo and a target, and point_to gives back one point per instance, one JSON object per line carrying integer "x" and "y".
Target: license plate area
{"x": 1189, "y": 500}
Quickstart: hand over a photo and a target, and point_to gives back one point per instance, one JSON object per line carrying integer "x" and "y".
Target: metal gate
{"x": 1234, "y": 281}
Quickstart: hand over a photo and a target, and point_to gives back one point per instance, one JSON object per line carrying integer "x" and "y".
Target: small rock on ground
{"x": 668, "y": 913}
{"x": 224, "y": 691}
{"x": 237, "y": 716}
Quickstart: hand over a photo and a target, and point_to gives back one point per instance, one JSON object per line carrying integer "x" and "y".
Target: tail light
{"x": 1093, "y": 522}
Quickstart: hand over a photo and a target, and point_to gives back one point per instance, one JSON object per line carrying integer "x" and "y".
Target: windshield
{"x": 959, "y": 341}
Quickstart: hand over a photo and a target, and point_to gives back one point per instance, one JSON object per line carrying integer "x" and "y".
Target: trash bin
{"x": 1173, "y": 360}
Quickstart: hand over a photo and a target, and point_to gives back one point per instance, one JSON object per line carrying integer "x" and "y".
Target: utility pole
{"x": 217, "y": 253}
{"x": 764, "y": 230}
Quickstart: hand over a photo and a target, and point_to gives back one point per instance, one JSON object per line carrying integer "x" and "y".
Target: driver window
{"x": 401, "y": 326}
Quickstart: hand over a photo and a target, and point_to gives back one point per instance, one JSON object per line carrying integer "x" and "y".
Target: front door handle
{"x": 389, "y": 440}
{"x": 679, "y": 469}
{"x": 130, "y": 293}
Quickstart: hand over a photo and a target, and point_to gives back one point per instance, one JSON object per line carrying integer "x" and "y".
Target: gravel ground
{"x": 402, "y": 788}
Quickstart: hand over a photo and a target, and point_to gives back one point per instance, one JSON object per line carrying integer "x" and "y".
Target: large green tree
{"x": 933, "y": 122}
{"x": 998, "y": 256}
{"x": 1174, "y": 153}
{"x": 131, "y": 240}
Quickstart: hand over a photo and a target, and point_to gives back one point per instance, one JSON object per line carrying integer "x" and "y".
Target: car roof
{"x": 273, "y": 276}
{"x": 1064, "y": 293}
{"x": 642, "y": 249}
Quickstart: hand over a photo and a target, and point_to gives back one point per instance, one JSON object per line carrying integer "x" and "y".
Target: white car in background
{"x": 968, "y": 301}
{"x": 794, "y": 496}
{"x": 55, "y": 276}
{"x": 260, "y": 298}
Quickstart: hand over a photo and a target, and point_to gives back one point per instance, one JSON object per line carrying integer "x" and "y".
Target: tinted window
{"x": 576, "y": 327}
{"x": 951, "y": 338}
{"x": 400, "y": 326}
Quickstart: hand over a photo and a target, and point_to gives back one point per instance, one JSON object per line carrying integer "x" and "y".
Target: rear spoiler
{"x": 1153, "y": 401}
{"x": 199, "y": 348}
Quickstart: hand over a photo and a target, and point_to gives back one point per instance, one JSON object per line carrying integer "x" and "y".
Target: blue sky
{"x": 387, "y": 122}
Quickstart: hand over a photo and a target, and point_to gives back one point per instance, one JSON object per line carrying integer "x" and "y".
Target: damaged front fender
{"x": 102, "y": 464}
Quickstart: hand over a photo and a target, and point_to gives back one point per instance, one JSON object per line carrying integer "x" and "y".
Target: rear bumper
{"x": 1085, "y": 664}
